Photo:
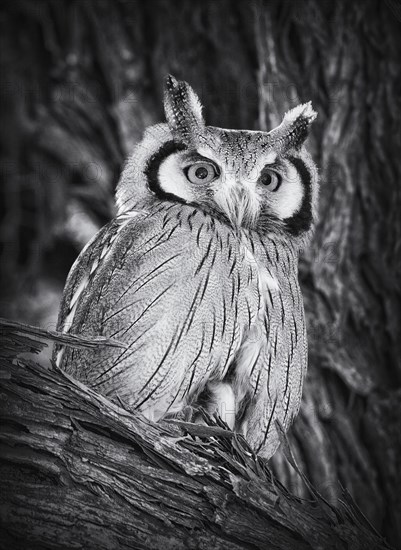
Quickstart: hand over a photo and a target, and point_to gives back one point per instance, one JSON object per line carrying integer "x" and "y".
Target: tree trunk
{"x": 82, "y": 79}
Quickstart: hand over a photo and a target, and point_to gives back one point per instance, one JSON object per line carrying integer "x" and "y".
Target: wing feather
{"x": 162, "y": 287}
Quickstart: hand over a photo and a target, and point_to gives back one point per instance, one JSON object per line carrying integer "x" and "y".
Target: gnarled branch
{"x": 79, "y": 471}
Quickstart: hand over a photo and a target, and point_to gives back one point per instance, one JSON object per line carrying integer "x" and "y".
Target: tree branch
{"x": 78, "y": 471}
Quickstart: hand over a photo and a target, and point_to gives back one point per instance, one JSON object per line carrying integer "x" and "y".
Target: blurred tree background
{"x": 80, "y": 82}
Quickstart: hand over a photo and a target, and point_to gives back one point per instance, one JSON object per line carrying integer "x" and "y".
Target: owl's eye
{"x": 270, "y": 180}
{"x": 201, "y": 172}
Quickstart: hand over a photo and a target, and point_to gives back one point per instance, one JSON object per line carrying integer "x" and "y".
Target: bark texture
{"x": 82, "y": 79}
{"x": 77, "y": 471}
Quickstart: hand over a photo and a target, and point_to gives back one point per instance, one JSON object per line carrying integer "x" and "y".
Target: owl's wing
{"x": 170, "y": 284}
{"x": 277, "y": 377}
{"x": 79, "y": 277}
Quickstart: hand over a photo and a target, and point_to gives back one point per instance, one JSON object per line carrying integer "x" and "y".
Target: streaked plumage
{"x": 200, "y": 279}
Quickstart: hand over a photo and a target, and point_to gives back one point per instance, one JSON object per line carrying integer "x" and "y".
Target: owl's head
{"x": 262, "y": 181}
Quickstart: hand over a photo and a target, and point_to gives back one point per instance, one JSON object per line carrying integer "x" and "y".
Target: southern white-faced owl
{"x": 197, "y": 274}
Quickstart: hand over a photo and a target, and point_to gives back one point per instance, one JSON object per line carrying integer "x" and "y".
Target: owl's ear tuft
{"x": 183, "y": 109}
{"x": 297, "y": 122}
{"x": 300, "y": 115}
{"x": 294, "y": 128}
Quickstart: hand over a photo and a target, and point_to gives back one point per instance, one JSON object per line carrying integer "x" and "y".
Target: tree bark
{"x": 82, "y": 79}
{"x": 78, "y": 471}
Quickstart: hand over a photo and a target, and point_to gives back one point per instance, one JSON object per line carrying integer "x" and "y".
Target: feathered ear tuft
{"x": 183, "y": 109}
{"x": 294, "y": 127}
{"x": 301, "y": 115}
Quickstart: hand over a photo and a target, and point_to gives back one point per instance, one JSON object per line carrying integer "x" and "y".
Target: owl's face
{"x": 262, "y": 181}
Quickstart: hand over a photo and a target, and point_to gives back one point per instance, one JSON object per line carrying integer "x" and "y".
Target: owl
{"x": 198, "y": 274}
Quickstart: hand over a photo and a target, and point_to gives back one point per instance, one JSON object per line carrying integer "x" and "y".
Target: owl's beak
{"x": 239, "y": 202}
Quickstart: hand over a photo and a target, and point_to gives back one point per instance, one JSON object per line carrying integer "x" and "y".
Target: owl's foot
{"x": 186, "y": 414}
